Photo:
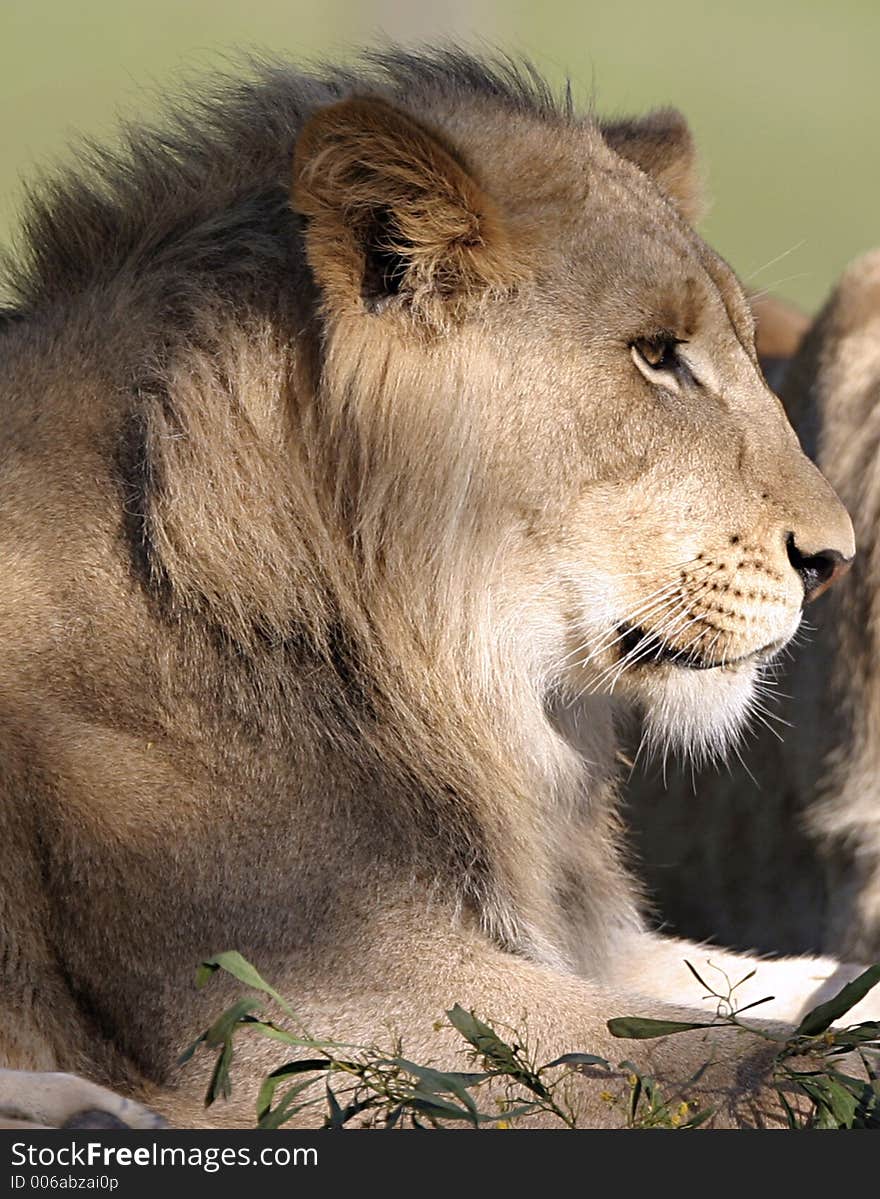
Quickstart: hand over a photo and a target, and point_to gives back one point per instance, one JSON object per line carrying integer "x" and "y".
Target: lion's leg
{"x": 398, "y": 985}
{"x": 400, "y": 978}
{"x": 31, "y": 1099}
{"x": 656, "y": 966}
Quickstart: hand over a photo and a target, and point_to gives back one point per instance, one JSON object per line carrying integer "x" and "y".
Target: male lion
{"x": 361, "y": 436}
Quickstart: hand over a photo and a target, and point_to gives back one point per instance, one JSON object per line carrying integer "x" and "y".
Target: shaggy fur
{"x": 366, "y": 441}
{"x": 840, "y": 373}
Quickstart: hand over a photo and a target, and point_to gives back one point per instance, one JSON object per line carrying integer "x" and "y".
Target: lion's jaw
{"x": 701, "y": 714}
{"x": 690, "y": 646}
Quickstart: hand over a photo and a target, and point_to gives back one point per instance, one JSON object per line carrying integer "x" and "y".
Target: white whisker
{"x": 779, "y": 257}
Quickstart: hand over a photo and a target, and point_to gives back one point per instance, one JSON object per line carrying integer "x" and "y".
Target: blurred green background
{"x": 782, "y": 94}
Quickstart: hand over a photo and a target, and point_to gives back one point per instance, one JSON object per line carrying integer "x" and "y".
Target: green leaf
{"x": 699, "y": 979}
{"x": 341, "y": 1116}
{"x": 393, "y": 1117}
{"x": 867, "y": 1113}
{"x": 858, "y": 1034}
{"x": 840, "y": 1100}
{"x": 288, "y": 1107}
{"x": 442, "y": 1109}
{"x": 578, "y": 1059}
{"x": 336, "y": 1117}
{"x": 833, "y": 1098}
{"x": 267, "y": 1029}
{"x": 793, "y": 1120}
{"x": 206, "y": 971}
{"x": 823, "y": 1016}
{"x": 190, "y": 1050}
{"x": 233, "y": 963}
{"x": 222, "y": 1029}
{"x": 273, "y": 1081}
{"x": 496, "y": 1053}
{"x": 755, "y": 1003}
{"x": 511, "y": 1113}
{"x": 433, "y": 1082}
{"x": 639, "y": 1028}
{"x": 699, "y": 1118}
{"x": 486, "y": 1041}
{"x": 446, "y": 1081}
{"x": 220, "y": 1086}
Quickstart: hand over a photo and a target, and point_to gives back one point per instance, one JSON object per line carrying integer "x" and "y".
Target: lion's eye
{"x": 658, "y": 356}
{"x": 659, "y": 353}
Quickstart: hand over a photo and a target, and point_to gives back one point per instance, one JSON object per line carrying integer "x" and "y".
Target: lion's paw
{"x": 54, "y": 1100}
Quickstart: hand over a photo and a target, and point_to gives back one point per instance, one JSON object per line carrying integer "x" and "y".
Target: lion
{"x": 839, "y": 373}
{"x": 371, "y": 441}
{"x": 782, "y": 852}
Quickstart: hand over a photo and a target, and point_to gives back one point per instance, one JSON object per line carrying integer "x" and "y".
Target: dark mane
{"x": 202, "y": 185}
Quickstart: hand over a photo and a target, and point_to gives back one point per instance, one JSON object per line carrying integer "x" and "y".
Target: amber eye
{"x": 660, "y": 362}
{"x": 658, "y": 353}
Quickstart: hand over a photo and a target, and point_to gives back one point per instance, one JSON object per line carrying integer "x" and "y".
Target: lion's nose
{"x": 817, "y": 571}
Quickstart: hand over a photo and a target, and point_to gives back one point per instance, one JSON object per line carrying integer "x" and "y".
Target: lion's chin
{"x": 698, "y": 713}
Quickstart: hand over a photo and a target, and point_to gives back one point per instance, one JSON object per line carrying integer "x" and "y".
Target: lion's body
{"x": 307, "y": 512}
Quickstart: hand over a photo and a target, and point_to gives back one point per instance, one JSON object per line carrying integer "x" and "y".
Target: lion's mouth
{"x": 643, "y": 648}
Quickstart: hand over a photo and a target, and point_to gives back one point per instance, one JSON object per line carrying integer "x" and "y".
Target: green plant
{"x": 807, "y": 1059}
{"x": 344, "y": 1083}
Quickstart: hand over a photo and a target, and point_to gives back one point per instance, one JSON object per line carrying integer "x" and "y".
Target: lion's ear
{"x": 662, "y": 145}
{"x": 393, "y": 216}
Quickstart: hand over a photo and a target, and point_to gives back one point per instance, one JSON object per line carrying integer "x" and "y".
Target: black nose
{"x": 817, "y": 571}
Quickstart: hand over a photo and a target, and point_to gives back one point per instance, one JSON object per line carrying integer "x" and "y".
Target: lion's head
{"x": 551, "y": 399}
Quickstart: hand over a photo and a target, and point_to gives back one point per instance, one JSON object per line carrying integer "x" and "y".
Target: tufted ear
{"x": 394, "y": 217}
{"x": 662, "y": 145}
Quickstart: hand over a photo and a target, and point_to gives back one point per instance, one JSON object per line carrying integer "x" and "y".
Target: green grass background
{"x": 782, "y": 94}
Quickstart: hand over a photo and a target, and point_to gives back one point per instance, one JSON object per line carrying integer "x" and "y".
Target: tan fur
{"x": 662, "y": 145}
{"x": 321, "y": 522}
{"x": 845, "y": 391}
{"x": 782, "y": 852}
